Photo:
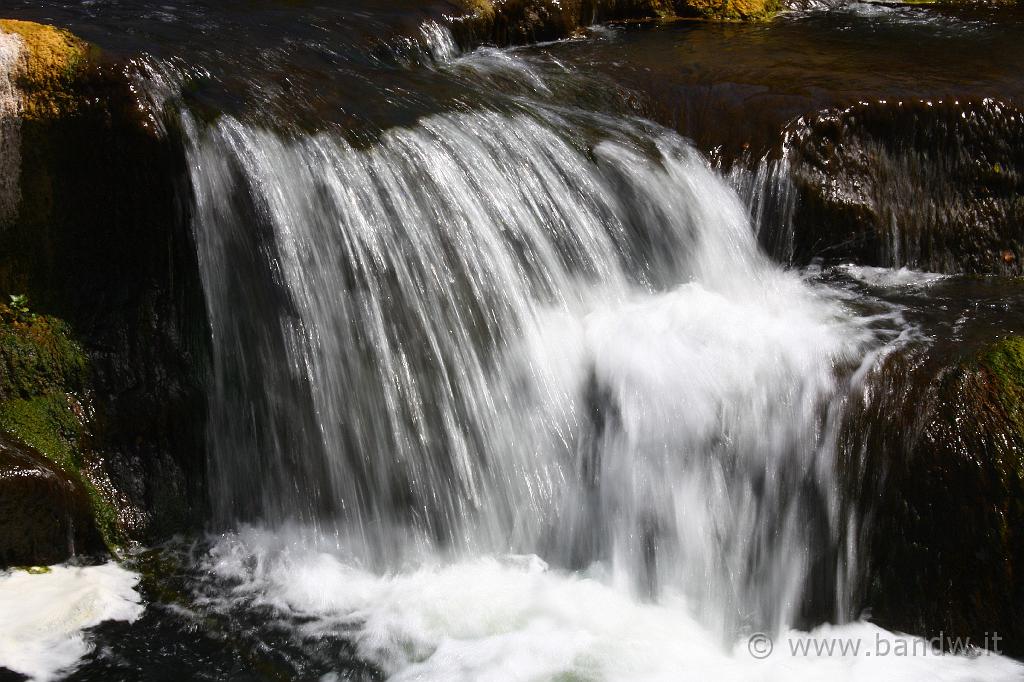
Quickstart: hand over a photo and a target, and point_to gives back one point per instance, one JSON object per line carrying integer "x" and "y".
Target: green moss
{"x": 105, "y": 514}
{"x": 1005, "y": 361}
{"x": 43, "y": 374}
{"x": 38, "y": 356}
{"x": 47, "y": 424}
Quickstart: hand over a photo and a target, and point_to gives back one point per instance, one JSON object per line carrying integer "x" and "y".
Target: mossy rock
{"x": 96, "y": 233}
{"x": 1004, "y": 362}
{"x": 933, "y": 459}
{"x": 52, "y": 59}
{"x": 44, "y": 404}
{"x": 729, "y": 10}
{"x": 46, "y": 516}
{"x": 38, "y": 356}
{"x": 511, "y": 22}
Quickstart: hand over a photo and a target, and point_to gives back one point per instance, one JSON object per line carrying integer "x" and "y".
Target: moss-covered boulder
{"x": 48, "y": 64}
{"x": 45, "y": 514}
{"x": 45, "y": 405}
{"x": 935, "y": 458}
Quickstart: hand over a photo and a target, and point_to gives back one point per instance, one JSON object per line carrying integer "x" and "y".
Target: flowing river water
{"x": 502, "y": 383}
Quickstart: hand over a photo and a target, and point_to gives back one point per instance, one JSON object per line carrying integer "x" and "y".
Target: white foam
{"x": 891, "y": 277}
{"x": 439, "y": 41}
{"x": 497, "y": 619}
{"x": 43, "y": 616}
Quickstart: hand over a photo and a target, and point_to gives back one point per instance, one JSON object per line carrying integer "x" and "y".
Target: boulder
{"x": 45, "y": 515}
{"x": 935, "y": 465}
{"x": 931, "y": 185}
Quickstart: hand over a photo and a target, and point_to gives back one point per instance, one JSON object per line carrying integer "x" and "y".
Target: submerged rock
{"x": 937, "y": 463}
{"x": 45, "y": 515}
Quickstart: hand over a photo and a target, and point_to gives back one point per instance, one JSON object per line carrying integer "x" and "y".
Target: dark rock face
{"x": 101, "y": 240}
{"x": 45, "y": 517}
{"x": 936, "y": 464}
{"x": 936, "y": 186}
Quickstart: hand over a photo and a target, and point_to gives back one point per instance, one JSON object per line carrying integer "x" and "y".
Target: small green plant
{"x": 19, "y": 306}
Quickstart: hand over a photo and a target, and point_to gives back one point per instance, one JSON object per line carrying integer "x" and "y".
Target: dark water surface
{"x": 367, "y": 65}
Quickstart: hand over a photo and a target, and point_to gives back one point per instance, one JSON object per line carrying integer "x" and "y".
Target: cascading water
{"x": 495, "y": 334}
{"x": 506, "y": 382}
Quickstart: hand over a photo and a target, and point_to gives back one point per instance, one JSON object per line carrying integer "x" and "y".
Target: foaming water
{"x": 492, "y": 333}
{"x": 517, "y": 394}
{"x": 43, "y": 616}
{"x": 891, "y": 277}
{"x": 514, "y": 617}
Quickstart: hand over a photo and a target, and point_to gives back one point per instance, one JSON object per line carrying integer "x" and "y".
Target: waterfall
{"x": 495, "y": 334}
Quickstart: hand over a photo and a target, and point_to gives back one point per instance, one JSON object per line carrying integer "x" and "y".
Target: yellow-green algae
{"x": 52, "y": 58}
{"x": 44, "y": 376}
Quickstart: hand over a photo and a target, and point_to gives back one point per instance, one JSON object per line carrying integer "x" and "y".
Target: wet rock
{"x": 45, "y": 402}
{"x": 728, "y": 10}
{"x": 931, "y": 185}
{"x": 99, "y": 239}
{"x": 45, "y": 515}
{"x": 936, "y": 457}
{"x": 515, "y": 22}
